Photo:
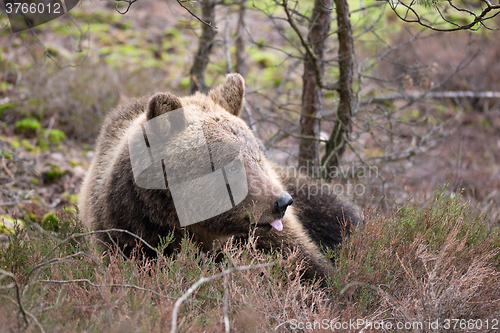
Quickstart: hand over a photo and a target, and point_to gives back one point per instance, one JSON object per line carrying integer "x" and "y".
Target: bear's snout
{"x": 282, "y": 203}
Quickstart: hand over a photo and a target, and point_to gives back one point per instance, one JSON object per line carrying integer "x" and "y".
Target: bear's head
{"x": 199, "y": 150}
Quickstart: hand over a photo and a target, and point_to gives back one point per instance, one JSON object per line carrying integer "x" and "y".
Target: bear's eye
{"x": 233, "y": 169}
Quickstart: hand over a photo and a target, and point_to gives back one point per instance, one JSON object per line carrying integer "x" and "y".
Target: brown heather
{"x": 414, "y": 265}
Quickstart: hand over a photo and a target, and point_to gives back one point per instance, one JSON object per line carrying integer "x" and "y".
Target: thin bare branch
{"x": 309, "y": 51}
{"x": 180, "y": 300}
{"x": 15, "y": 284}
{"x": 436, "y": 94}
{"x": 209, "y": 24}
{"x": 127, "y": 286}
{"x": 478, "y": 18}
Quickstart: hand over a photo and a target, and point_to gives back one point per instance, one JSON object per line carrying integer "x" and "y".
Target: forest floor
{"x": 53, "y": 166}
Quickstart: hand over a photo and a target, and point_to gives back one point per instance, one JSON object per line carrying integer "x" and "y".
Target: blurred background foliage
{"x": 59, "y": 81}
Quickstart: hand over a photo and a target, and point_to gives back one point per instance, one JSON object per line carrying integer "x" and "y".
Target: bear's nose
{"x": 282, "y": 203}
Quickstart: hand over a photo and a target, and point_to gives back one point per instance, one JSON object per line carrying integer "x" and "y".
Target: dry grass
{"x": 422, "y": 265}
{"x": 414, "y": 266}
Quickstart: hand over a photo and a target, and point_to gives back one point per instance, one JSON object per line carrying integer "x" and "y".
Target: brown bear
{"x": 166, "y": 164}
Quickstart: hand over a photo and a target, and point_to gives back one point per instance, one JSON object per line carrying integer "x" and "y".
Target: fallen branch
{"x": 437, "y": 94}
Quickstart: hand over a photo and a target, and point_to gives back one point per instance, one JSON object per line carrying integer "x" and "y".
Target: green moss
{"x": 127, "y": 25}
{"x": 99, "y": 27}
{"x": 265, "y": 58}
{"x": 52, "y": 50}
{"x": 6, "y": 155}
{"x": 28, "y": 145}
{"x": 28, "y": 123}
{"x": 6, "y": 106}
{"x": 273, "y": 74}
{"x": 172, "y": 32}
{"x": 4, "y": 86}
{"x": 105, "y": 50}
{"x": 15, "y": 142}
{"x": 185, "y": 82}
{"x": 31, "y": 216}
{"x": 44, "y": 144}
{"x": 56, "y": 136}
{"x": 72, "y": 198}
{"x": 54, "y": 172}
{"x": 50, "y": 222}
{"x": 70, "y": 210}
{"x": 8, "y": 224}
{"x": 129, "y": 50}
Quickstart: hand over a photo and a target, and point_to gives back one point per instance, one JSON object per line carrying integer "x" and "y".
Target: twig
{"x": 27, "y": 219}
{"x": 437, "y": 94}
{"x": 379, "y": 291}
{"x": 4, "y": 165}
{"x": 194, "y": 15}
{"x": 226, "y": 43}
{"x": 129, "y": 286}
{"x": 18, "y": 294}
{"x": 225, "y": 308}
{"x": 315, "y": 60}
{"x": 78, "y": 235}
{"x": 251, "y": 122}
{"x": 51, "y": 124}
{"x": 16, "y": 159}
{"x": 478, "y": 18}
{"x": 178, "y": 303}
{"x": 36, "y": 321}
{"x": 130, "y": 2}
{"x": 54, "y": 261}
{"x": 13, "y": 203}
{"x": 47, "y": 54}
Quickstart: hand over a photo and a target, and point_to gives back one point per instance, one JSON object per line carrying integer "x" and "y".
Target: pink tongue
{"x": 277, "y": 225}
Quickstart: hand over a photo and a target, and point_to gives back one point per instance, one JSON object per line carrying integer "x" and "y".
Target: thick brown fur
{"x": 326, "y": 217}
{"x": 110, "y": 198}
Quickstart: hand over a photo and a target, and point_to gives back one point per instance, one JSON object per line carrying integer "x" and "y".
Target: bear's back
{"x": 108, "y": 146}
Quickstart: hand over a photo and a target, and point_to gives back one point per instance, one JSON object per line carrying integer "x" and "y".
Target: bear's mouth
{"x": 277, "y": 225}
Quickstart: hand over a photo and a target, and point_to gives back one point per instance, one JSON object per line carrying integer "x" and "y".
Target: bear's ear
{"x": 230, "y": 95}
{"x": 162, "y": 103}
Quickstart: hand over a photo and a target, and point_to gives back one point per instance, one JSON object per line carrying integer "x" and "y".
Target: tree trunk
{"x": 206, "y": 41}
{"x": 337, "y": 143}
{"x": 240, "y": 41}
{"x": 312, "y": 94}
